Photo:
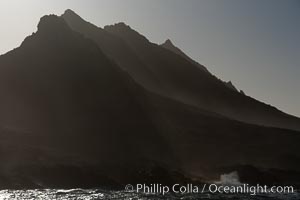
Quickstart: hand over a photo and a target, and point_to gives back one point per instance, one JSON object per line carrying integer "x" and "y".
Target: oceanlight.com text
{"x": 209, "y": 188}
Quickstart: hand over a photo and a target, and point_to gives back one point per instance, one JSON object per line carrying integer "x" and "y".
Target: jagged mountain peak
{"x": 70, "y": 14}
{"x": 52, "y": 23}
{"x": 124, "y": 30}
{"x": 120, "y": 25}
{"x": 49, "y": 26}
{"x": 230, "y": 85}
{"x": 75, "y": 22}
{"x": 168, "y": 42}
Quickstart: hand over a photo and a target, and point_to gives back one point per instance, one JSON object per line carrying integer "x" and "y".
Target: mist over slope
{"x": 172, "y": 75}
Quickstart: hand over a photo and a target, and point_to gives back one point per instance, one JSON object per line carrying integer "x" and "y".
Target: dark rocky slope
{"x": 176, "y": 76}
{"x": 188, "y": 83}
{"x": 71, "y": 117}
{"x": 65, "y": 105}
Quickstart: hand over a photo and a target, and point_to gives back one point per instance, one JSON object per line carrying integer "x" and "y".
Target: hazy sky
{"x": 254, "y": 43}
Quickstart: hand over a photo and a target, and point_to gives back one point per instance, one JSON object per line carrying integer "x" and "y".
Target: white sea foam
{"x": 231, "y": 178}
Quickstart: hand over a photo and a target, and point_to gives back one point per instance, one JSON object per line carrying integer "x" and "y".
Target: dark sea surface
{"x": 92, "y": 194}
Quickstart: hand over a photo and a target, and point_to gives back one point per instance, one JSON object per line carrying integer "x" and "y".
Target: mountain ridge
{"x": 219, "y": 99}
{"x": 62, "y": 92}
{"x": 72, "y": 116}
{"x": 168, "y": 44}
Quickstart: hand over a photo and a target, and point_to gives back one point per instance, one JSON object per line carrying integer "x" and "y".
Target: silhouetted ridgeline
{"x": 83, "y": 106}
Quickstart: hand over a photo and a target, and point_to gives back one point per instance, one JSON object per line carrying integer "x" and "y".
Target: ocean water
{"x": 93, "y": 194}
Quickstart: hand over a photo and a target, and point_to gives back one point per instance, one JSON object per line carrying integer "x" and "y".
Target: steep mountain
{"x": 116, "y": 49}
{"x": 66, "y": 108}
{"x": 174, "y": 76}
{"x": 73, "y": 114}
{"x": 191, "y": 85}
